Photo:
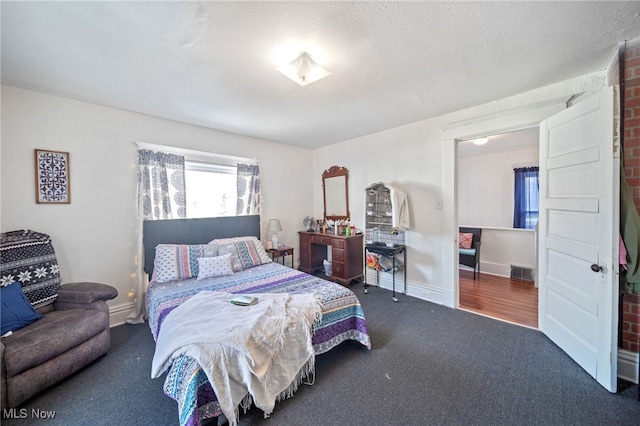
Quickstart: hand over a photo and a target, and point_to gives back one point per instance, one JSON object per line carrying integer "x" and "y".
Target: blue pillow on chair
{"x": 468, "y": 252}
{"x": 16, "y": 309}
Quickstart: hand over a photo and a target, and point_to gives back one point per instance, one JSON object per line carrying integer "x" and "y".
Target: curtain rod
{"x": 520, "y": 166}
{"x": 194, "y": 155}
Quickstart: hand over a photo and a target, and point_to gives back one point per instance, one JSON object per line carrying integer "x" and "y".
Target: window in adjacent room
{"x": 210, "y": 189}
{"x": 525, "y": 213}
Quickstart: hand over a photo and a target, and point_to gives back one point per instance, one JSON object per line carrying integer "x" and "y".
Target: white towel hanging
{"x": 399, "y": 207}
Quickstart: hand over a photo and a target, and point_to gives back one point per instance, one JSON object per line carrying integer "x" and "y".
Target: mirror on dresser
{"x": 344, "y": 252}
{"x": 335, "y": 190}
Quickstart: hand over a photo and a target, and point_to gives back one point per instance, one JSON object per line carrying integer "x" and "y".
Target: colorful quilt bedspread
{"x": 342, "y": 319}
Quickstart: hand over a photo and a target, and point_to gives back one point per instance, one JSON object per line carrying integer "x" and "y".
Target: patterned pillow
{"x": 245, "y": 254}
{"x": 465, "y": 239}
{"x": 224, "y": 241}
{"x": 214, "y": 266}
{"x": 179, "y": 261}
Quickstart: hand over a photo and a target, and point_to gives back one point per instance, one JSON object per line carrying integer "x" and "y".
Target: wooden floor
{"x": 510, "y": 300}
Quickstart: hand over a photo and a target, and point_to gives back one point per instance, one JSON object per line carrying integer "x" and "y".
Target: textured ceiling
{"x": 518, "y": 139}
{"x": 392, "y": 63}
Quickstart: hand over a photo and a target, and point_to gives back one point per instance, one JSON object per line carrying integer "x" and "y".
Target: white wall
{"x": 486, "y": 185}
{"x": 95, "y": 235}
{"x": 410, "y": 158}
{"x": 420, "y": 158}
{"x": 503, "y": 247}
{"x": 485, "y": 200}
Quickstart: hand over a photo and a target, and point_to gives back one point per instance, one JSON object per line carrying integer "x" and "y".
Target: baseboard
{"x": 417, "y": 290}
{"x": 498, "y": 269}
{"x": 628, "y": 365}
{"x": 425, "y": 292}
{"x": 118, "y": 314}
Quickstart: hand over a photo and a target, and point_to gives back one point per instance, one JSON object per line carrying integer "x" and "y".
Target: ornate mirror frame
{"x": 335, "y": 191}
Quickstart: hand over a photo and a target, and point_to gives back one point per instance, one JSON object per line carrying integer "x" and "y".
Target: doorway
{"x": 485, "y": 194}
{"x": 598, "y": 119}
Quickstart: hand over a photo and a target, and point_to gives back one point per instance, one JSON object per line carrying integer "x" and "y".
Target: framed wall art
{"x": 52, "y": 177}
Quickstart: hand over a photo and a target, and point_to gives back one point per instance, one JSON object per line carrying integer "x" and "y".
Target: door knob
{"x": 596, "y": 268}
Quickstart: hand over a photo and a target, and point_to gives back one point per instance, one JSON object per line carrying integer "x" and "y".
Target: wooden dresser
{"x": 346, "y": 255}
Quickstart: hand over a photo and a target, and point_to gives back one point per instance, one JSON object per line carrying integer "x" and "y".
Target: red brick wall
{"x": 631, "y": 302}
{"x": 631, "y": 323}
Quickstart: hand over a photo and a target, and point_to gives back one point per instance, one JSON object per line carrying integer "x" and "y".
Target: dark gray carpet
{"x": 430, "y": 365}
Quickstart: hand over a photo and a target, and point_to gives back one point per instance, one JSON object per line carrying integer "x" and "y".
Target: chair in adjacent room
{"x": 469, "y": 248}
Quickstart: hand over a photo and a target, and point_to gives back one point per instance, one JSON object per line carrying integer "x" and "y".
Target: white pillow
{"x": 214, "y": 266}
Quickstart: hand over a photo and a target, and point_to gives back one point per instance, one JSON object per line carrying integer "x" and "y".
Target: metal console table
{"x": 389, "y": 251}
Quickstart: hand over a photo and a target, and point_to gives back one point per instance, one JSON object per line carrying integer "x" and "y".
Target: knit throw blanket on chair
{"x": 260, "y": 352}
{"x": 29, "y": 257}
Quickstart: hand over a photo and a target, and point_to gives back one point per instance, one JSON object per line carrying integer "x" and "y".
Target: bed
{"x": 185, "y": 381}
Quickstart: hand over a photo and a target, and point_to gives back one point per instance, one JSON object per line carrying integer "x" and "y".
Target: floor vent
{"x": 521, "y": 273}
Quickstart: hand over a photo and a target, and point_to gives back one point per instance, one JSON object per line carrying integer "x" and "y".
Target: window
{"x": 525, "y": 212}
{"x": 210, "y": 189}
{"x": 210, "y": 184}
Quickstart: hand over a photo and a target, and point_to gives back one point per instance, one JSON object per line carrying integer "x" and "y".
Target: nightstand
{"x": 281, "y": 252}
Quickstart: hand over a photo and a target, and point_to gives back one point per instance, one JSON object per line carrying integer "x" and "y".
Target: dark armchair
{"x": 469, "y": 248}
{"x": 49, "y": 330}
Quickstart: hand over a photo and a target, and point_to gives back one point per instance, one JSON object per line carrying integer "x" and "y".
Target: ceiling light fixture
{"x": 480, "y": 141}
{"x": 303, "y": 70}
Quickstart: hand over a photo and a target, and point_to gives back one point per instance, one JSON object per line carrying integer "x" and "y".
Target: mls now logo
{"x": 23, "y": 413}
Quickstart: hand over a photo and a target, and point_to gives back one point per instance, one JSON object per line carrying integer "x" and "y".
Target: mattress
{"x": 185, "y": 382}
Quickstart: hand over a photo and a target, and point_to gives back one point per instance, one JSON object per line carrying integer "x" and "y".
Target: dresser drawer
{"x": 337, "y": 269}
{"x": 337, "y": 243}
{"x": 337, "y": 255}
{"x": 321, "y": 239}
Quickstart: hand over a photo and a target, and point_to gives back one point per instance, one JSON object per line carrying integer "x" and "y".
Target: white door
{"x": 579, "y": 225}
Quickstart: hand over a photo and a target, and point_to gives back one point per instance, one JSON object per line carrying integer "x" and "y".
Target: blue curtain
{"x": 525, "y": 212}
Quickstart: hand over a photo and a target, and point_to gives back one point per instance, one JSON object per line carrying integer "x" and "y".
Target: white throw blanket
{"x": 263, "y": 350}
{"x": 399, "y": 208}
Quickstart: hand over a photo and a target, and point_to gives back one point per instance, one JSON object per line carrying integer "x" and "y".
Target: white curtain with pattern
{"x": 161, "y": 195}
{"x": 248, "y": 176}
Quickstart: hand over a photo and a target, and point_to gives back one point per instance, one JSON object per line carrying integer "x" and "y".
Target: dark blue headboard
{"x": 194, "y": 231}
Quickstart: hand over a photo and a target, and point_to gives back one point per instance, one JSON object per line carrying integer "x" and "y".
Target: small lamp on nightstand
{"x": 273, "y": 228}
